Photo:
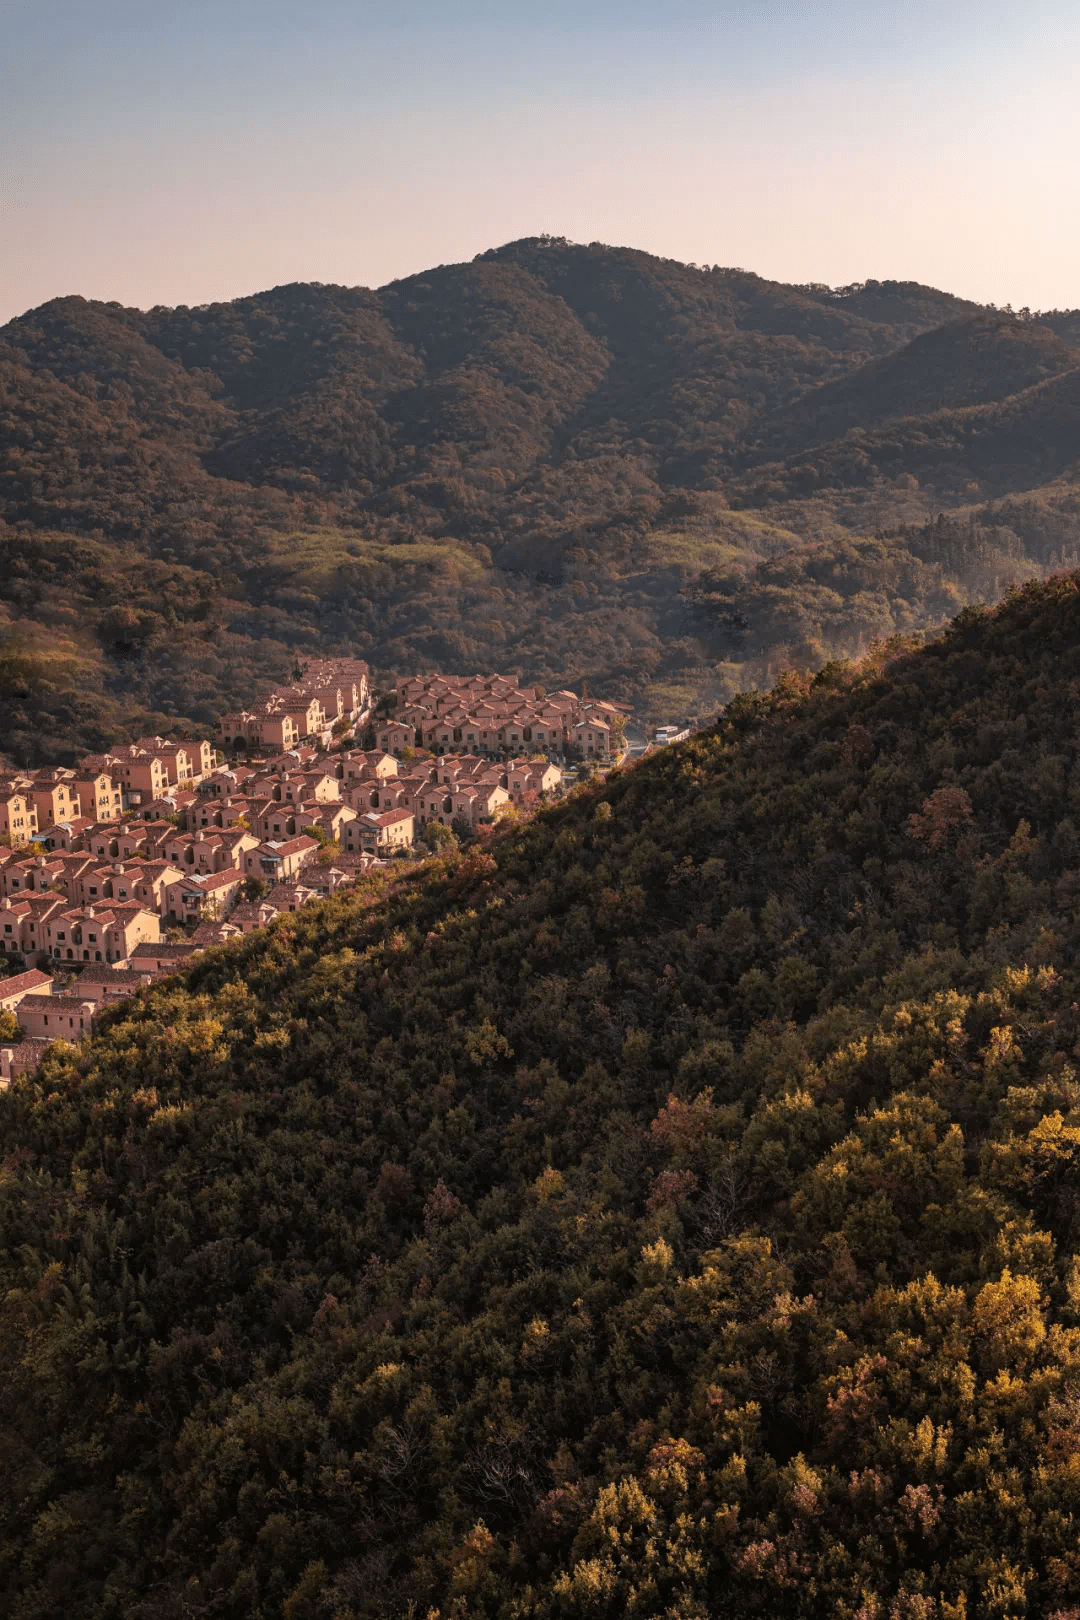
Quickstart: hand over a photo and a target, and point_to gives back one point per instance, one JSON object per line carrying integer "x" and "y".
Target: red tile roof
{"x": 20, "y": 984}
{"x": 292, "y": 846}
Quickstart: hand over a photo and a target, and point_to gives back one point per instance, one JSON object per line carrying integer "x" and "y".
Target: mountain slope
{"x": 1025, "y": 440}
{"x": 670, "y": 1212}
{"x": 354, "y": 394}
{"x": 965, "y": 363}
{"x": 555, "y": 419}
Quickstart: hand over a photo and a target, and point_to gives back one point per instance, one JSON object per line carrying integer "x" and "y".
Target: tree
{"x": 946, "y": 812}
{"x": 438, "y": 837}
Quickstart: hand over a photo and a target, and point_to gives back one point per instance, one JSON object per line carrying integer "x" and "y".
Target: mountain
{"x": 667, "y": 1210}
{"x": 978, "y": 361}
{"x": 529, "y": 460}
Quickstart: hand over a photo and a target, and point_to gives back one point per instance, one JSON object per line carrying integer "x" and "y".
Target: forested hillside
{"x": 542, "y": 461}
{"x": 670, "y": 1211}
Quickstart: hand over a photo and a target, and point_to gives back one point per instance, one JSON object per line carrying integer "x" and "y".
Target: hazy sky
{"x": 177, "y": 151}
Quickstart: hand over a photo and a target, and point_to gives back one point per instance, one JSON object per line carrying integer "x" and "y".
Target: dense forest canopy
{"x": 669, "y": 1211}
{"x": 546, "y": 460}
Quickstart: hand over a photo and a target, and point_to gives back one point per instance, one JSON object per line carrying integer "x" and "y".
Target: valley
{"x": 574, "y": 463}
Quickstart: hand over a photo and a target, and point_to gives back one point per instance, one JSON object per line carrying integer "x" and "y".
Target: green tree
{"x": 439, "y": 837}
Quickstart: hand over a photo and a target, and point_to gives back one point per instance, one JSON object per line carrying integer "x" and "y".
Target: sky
{"x": 182, "y": 151}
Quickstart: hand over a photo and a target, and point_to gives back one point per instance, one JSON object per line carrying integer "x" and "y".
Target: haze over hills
{"x": 575, "y": 462}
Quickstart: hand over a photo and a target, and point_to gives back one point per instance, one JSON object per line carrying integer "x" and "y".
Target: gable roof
{"x": 163, "y": 952}
{"x": 20, "y": 984}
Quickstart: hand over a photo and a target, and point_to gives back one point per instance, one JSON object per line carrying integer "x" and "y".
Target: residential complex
{"x": 326, "y": 692}
{"x": 491, "y": 715}
{"x": 114, "y": 872}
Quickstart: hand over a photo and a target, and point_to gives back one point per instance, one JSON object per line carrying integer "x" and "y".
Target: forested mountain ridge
{"x": 529, "y": 460}
{"x": 976, "y": 361}
{"x": 670, "y": 1211}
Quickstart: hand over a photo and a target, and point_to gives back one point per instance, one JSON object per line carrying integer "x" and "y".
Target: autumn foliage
{"x": 663, "y": 1213}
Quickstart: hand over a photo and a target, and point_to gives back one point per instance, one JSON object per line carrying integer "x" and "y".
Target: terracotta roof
{"x": 122, "y": 980}
{"x": 214, "y": 933}
{"x": 292, "y": 846}
{"x": 284, "y": 892}
{"x": 66, "y": 1001}
{"x": 219, "y": 880}
{"x": 27, "y": 1054}
{"x": 20, "y": 984}
{"x": 163, "y": 952}
{"x": 253, "y": 911}
{"x": 42, "y": 906}
{"x": 352, "y": 862}
{"x": 38, "y": 863}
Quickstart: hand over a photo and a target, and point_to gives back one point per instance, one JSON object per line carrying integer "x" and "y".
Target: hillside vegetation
{"x": 526, "y": 462}
{"x": 669, "y": 1212}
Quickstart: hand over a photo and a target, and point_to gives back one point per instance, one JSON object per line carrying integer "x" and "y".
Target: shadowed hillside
{"x": 973, "y": 362}
{"x": 670, "y": 1210}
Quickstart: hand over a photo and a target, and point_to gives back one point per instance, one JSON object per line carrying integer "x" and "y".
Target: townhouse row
{"x": 329, "y": 694}
{"x": 66, "y": 1006}
{"x": 103, "y": 864}
{"x": 102, "y": 786}
{"x": 195, "y": 855}
{"x": 491, "y": 715}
